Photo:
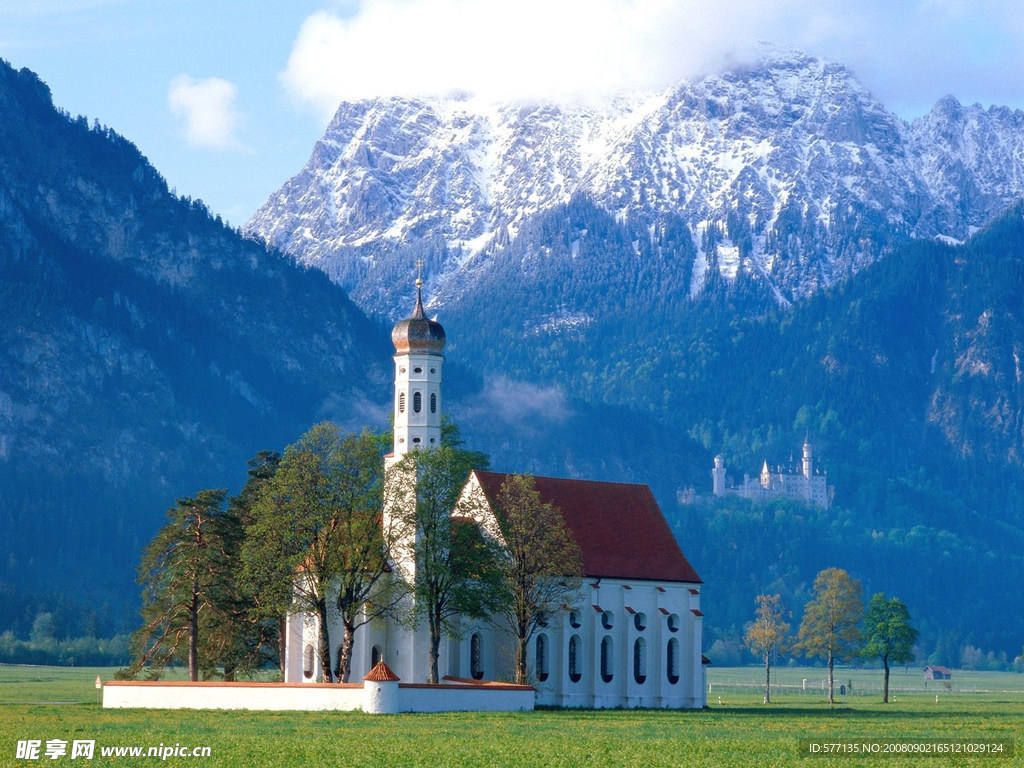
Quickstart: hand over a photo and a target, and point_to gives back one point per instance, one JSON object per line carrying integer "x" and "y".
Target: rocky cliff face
{"x": 146, "y": 350}
{"x": 787, "y": 171}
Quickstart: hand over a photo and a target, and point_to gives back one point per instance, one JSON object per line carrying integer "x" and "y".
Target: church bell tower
{"x": 418, "y": 342}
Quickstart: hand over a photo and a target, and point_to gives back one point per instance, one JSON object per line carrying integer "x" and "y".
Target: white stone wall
{"x": 256, "y": 696}
{"x": 300, "y": 697}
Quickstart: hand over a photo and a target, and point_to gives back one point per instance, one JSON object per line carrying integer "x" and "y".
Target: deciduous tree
{"x": 247, "y": 638}
{"x": 316, "y": 529}
{"x": 768, "y": 635}
{"x": 829, "y": 628}
{"x": 452, "y": 573}
{"x": 540, "y": 565}
{"x": 888, "y": 635}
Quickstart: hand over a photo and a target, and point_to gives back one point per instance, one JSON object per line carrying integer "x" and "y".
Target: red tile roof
{"x": 381, "y": 673}
{"x": 618, "y": 526}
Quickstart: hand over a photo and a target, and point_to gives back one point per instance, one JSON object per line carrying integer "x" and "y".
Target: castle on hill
{"x": 631, "y": 636}
{"x": 804, "y": 483}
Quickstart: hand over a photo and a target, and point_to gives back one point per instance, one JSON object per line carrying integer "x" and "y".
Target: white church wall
{"x": 654, "y": 614}
{"x": 607, "y": 612}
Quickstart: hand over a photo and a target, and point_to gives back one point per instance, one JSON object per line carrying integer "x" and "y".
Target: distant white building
{"x": 804, "y": 483}
{"x": 630, "y": 638}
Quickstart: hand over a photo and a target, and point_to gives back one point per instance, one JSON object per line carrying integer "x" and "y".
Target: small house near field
{"x": 937, "y": 673}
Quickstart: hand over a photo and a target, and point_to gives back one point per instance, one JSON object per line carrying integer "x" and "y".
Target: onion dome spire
{"x": 418, "y": 333}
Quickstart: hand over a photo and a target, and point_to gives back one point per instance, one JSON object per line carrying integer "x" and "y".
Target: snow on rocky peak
{"x": 804, "y": 176}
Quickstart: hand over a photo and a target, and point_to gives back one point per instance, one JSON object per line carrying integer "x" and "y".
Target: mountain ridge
{"x": 145, "y": 348}
{"x": 799, "y": 173}
{"x": 146, "y": 351}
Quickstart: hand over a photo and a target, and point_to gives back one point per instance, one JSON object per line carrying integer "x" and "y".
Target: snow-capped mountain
{"x": 788, "y": 171}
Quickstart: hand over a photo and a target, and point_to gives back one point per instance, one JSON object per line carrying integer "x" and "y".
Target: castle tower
{"x": 718, "y": 477}
{"x": 417, "y": 406}
{"x": 808, "y": 462}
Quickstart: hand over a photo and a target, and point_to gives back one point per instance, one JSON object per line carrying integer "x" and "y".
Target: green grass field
{"x": 47, "y": 703}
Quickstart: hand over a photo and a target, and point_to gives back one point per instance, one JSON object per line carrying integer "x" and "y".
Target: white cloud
{"x": 517, "y": 403}
{"x": 502, "y": 49}
{"x": 561, "y": 49}
{"x": 207, "y": 111}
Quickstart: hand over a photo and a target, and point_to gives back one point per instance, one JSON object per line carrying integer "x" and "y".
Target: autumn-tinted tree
{"x": 829, "y": 629}
{"x": 888, "y": 635}
{"x": 539, "y": 564}
{"x": 452, "y": 569}
{"x": 768, "y": 635}
{"x": 186, "y": 578}
{"x": 316, "y": 534}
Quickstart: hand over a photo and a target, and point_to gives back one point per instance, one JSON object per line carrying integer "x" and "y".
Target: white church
{"x": 631, "y": 637}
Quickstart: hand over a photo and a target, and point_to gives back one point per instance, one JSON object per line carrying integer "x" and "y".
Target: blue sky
{"x": 226, "y": 98}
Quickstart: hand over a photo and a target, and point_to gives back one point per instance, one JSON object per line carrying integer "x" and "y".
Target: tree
{"x": 316, "y": 529}
{"x": 539, "y": 566}
{"x": 247, "y": 636}
{"x": 829, "y": 627}
{"x": 768, "y": 635}
{"x": 888, "y": 635}
{"x": 363, "y": 539}
{"x": 452, "y": 569}
{"x": 185, "y": 574}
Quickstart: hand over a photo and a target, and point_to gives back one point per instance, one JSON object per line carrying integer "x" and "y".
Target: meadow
{"x": 47, "y": 703}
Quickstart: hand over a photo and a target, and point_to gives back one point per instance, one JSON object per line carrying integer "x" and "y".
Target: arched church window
{"x": 607, "y": 660}
{"x": 575, "y": 620}
{"x": 640, "y": 622}
{"x": 672, "y": 661}
{"x": 308, "y": 654}
{"x": 673, "y": 622}
{"x": 476, "y": 665}
{"x": 575, "y": 660}
{"x": 417, "y": 402}
{"x": 401, "y": 402}
{"x": 607, "y": 619}
{"x": 640, "y": 660}
{"x": 542, "y": 657}
{"x": 433, "y": 402}
{"x": 375, "y": 656}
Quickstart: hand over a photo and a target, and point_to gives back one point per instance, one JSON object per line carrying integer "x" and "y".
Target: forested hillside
{"x": 906, "y": 378}
{"x": 146, "y": 350}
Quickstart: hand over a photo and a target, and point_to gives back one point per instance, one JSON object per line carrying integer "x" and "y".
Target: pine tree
{"x": 186, "y": 577}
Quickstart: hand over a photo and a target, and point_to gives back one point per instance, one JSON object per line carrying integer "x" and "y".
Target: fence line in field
{"x": 816, "y": 687}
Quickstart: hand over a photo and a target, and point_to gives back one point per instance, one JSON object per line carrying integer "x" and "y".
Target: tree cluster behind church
{"x": 308, "y": 534}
